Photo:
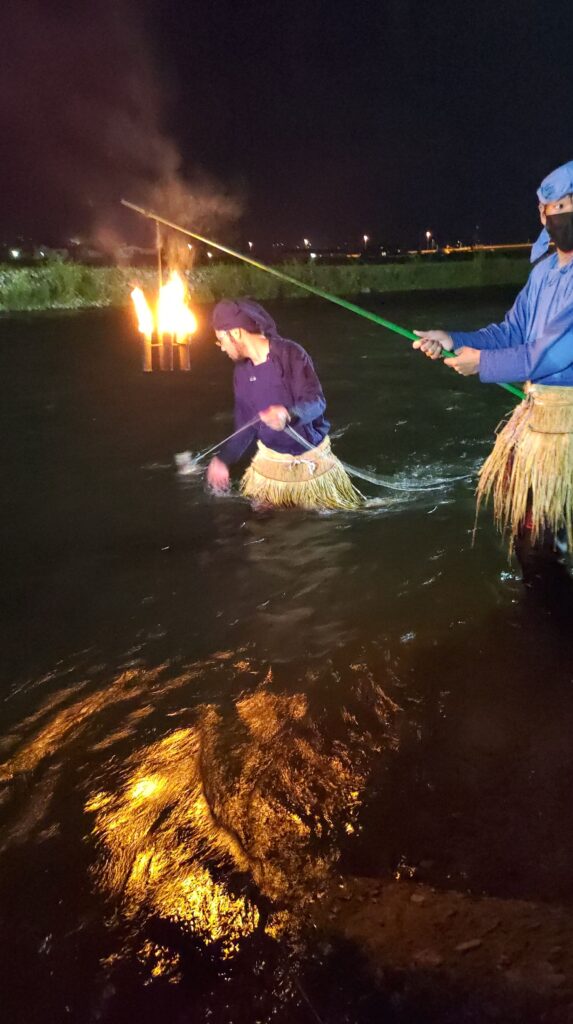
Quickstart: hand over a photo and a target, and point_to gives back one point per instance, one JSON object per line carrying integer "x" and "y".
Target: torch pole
{"x": 147, "y": 353}
{"x": 159, "y": 262}
{"x": 160, "y": 337}
{"x": 350, "y": 306}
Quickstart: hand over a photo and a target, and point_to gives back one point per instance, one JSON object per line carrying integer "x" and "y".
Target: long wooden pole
{"x": 159, "y": 259}
{"x": 160, "y": 339}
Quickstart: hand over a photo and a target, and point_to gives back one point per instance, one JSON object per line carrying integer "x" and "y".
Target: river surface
{"x": 207, "y": 712}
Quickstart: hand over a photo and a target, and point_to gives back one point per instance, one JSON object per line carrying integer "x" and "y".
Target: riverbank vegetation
{"x": 63, "y": 285}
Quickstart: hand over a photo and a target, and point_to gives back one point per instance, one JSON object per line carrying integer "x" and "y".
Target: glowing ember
{"x": 172, "y": 317}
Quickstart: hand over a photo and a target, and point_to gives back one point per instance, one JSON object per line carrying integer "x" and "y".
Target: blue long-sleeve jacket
{"x": 535, "y": 341}
{"x": 286, "y": 378}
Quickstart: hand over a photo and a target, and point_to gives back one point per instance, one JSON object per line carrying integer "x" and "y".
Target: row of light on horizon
{"x": 365, "y": 238}
{"x": 15, "y": 254}
{"x": 307, "y": 244}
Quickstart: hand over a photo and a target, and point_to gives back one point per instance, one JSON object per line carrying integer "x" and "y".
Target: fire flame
{"x": 143, "y": 313}
{"x": 172, "y": 316}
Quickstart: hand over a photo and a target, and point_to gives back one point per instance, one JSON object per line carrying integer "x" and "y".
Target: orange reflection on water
{"x": 52, "y": 728}
{"x": 257, "y": 791}
{"x": 151, "y": 830}
{"x": 261, "y": 787}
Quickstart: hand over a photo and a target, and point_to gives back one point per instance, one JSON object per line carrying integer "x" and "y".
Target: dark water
{"x": 207, "y": 711}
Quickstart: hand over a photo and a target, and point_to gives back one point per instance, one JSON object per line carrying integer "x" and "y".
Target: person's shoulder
{"x": 290, "y": 349}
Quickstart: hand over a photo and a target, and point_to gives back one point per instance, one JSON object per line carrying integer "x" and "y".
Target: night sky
{"x": 320, "y": 119}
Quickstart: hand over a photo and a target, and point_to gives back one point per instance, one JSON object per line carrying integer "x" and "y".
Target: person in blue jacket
{"x": 276, "y": 388}
{"x": 530, "y": 470}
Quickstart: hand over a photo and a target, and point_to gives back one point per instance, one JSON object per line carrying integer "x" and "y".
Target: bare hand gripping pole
{"x": 351, "y": 306}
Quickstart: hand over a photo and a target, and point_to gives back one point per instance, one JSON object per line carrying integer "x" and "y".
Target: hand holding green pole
{"x": 350, "y": 306}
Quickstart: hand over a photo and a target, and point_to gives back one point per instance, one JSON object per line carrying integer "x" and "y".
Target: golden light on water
{"x": 253, "y": 793}
{"x": 153, "y": 831}
{"x": 193, "y": 812}
{"x": 207, "y": 907}
{"x": 145, "y": 788}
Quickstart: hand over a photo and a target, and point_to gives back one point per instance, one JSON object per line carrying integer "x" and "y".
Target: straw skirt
{"x": 529, "y": 473}
{"x": 313, "y": 480}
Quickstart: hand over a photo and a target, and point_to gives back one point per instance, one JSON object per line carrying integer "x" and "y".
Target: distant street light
{"x": 250, "y": 245}
{"x": 366, "y": 240}
{"x": 306, "y": 243}
{"x": 428, "y": 238}
{"x": 313, "y": 255}
{"x": 210, "y": 255}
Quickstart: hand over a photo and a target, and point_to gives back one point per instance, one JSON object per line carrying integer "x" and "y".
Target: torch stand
{"x": 184, "y": 360}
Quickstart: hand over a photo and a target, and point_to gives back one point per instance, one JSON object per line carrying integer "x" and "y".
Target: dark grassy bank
{"x": 74, "y": 286}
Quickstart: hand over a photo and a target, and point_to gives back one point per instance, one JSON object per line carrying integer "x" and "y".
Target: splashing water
{"x": 188, "y": 464}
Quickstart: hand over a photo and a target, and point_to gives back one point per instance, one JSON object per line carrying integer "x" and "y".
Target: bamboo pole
{"x": 162, "y": 353}
{"x": 159, "y": 259}
{"x": 184, "y": 357}
{"x": 160, "y": 339}
{"x": 147, "y": 354}
{"x": 350, "y": 306}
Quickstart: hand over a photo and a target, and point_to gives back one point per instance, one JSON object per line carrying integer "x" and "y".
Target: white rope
{"x": 220, "y": 444}
{"x": 380, "y": 481}
{"x": 187, "y": 463}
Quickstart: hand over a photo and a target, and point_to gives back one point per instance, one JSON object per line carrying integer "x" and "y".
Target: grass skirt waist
{"x": 313, "y": 480}
{"x": 530, "y": 470}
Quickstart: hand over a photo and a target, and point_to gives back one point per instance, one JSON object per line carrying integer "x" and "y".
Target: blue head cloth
{"x": 245, "y": 313}
{"x": 556, "y": 185}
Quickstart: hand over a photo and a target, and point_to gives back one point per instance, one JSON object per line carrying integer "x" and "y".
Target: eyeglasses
{"x": 218, "y": 342}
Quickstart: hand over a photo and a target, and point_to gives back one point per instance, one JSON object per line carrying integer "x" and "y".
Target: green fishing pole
{"x": 351, "y": 306}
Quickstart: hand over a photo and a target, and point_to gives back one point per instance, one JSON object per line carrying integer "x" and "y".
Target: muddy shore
{"x": 432, "y": 955}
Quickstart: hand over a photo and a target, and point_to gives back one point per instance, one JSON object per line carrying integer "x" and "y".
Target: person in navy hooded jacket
{"x": 276, "y": 386}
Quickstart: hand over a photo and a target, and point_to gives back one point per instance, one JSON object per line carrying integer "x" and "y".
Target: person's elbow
{"x": 306, "y": 411}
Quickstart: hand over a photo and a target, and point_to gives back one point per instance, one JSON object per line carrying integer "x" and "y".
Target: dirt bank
{"x": 447, "y": 956}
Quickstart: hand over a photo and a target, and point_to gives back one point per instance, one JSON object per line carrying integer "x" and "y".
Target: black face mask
{"x": 560, "y": 229}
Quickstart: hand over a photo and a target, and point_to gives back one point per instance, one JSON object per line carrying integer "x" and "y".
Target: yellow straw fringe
{"x": 313, "y": 480}
{"x": 531, "y": 466}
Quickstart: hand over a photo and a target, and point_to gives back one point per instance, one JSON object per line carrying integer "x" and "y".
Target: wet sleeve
{"x": 511, "y": 332}
{"x": 309, "y": 402}
{"x": 233, "y": 450}
{"x": 549, "y": 353}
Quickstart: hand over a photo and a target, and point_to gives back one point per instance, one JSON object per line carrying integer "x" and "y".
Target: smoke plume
{"x": 81, "y": 120}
